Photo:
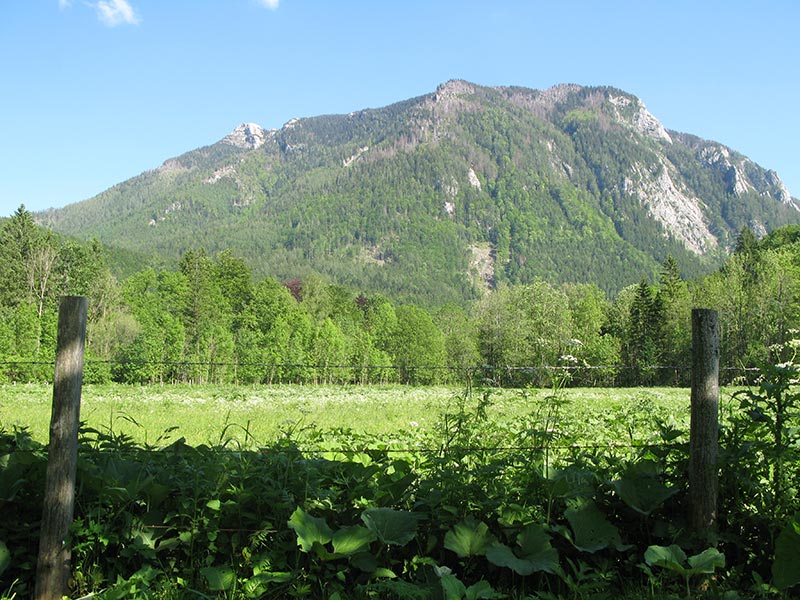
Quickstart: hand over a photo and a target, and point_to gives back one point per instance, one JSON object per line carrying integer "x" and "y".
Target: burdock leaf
{"x": 468, "y": 538}
{"x": 309, "y": 529}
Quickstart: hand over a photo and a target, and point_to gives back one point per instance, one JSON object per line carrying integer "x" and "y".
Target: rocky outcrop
{"x": 634, "y": 113}
{"x": 740, "y": 174}
{"x": 679, "y": 213}
{"x": 473, "y": 179}
{"x": 452, "y": 91}
{"x": 248, "y": 136}
{"x": 226, "y": 171}
{"x": 346, "y": 162}
{"x": 782, "y": 193}
{"x": 719, "y": 158}
{"x": 481, "y": 266}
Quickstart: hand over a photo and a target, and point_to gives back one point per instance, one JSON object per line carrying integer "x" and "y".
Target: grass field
{"x": 258, "y": 415}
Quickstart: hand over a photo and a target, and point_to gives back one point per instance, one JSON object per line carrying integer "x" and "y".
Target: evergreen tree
{"x": 19, "y": 239}
{"x": 674, "y": 302}
{"x": 642, "y": 347}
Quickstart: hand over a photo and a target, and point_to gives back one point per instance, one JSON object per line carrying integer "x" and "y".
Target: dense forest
{"x": 211, "y": 320}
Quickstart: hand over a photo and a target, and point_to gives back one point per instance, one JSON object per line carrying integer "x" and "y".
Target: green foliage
{"x": 386, "y": 200}
{"x": 486, "y": 508}
{"x": 524, "y": 327}
{"x": 469, "y": 538}
{"x": 309, "y": 530}
{"x": 500, "y": 247}
{"x": 674, "y": 559}
{"x": 641, "y": 487}
{"x": 591, "y": 530}
{"x": 211, "y": 321}
{"x": 391, "y": 526}
{"x": 418, "y": 346}
{"x": 37, "y": 268}
{"x": 643, "y": 344}
{"x": 785, "y": 572}
{"x": 533, "y": 552}
{"x": 763, "y": 431}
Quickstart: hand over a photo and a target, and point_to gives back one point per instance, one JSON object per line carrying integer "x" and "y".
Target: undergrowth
{"x": 473, "y": 509}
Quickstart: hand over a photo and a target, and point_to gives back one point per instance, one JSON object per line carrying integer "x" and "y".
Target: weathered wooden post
{"x": 53, "y": 568}
{"x": 704, "y": 429}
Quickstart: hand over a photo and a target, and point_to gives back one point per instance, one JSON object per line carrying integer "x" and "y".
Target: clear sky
{"x": 93, "y": 92}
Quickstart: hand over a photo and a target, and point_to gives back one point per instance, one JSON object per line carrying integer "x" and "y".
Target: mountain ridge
{"x": 463, "y": 188}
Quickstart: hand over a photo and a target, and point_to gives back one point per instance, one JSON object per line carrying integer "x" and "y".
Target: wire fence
{"x": 444, "y": 453}
{"x": 241, "y": 372}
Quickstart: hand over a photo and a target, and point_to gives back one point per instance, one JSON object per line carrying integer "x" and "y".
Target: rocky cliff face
{"x": 678, "y": 211}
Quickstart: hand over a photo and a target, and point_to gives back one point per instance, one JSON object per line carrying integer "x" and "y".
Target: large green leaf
{"x": 534, "y": 543}
{"x": 257, "y": 585}
{"x": 571, "y": 483}
{"x": 592, "y": 530}
{"x": 706, "y": 562}
{"x": 641, "y": 489}
{"x": 452, "y": 587}
{"x": 309, "y": 529}
{"x": 395, "y": 527}
{"x": 384, "y": 573}
{"x": 5, "y": 557}
{"x": 480, "y": 591}
{"x": 468, "y": 538}
{"x": 219, "y": 578}
{"x": 667, "y": 557}
{"x": 535, "y": 552}
{"x": 674, "y": 558}
{"x": 503, "y": 556}
{"x": 786, "y": 568}
{"x": 364, "y": 561}
{"x": 350, "y": 540}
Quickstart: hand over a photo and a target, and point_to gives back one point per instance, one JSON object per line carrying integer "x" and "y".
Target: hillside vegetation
{"x": 437, "y": 199}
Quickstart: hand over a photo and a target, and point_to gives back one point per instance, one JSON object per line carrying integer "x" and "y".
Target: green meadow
{"x": 253, "y": 416}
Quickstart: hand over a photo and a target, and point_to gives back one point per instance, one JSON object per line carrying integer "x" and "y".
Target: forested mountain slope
{"x": 437, "y": 198}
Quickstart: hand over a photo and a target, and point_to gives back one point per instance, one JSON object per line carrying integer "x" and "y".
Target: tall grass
{"x": 258, "y": 415}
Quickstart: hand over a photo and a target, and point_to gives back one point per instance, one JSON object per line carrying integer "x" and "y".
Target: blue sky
{"x": 97, "y": 91}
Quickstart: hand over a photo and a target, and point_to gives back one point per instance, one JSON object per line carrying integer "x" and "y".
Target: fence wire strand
{"x": 470, "y": 368}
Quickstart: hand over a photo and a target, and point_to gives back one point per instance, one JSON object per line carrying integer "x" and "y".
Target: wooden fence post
{"x": 55, "y": 553}
{"x": 704, "y": 429}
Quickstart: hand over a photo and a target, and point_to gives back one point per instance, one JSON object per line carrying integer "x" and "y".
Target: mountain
{"x": 439, "y": 197}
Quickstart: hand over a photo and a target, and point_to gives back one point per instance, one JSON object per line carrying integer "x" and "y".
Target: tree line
{"x": 211, "y": 321}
